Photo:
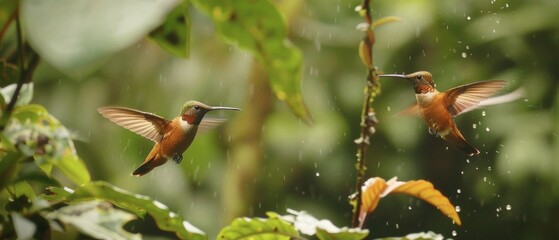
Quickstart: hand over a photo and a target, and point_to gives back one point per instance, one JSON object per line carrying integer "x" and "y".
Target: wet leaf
{"x": 323, "y": 229}
{"x": 97, "y": 219}
{"x": 174, "y": 34}
{"x": 135, "y": 203}
{"x": 258, "y": 27}
{"x": 425, "y": 191}
{"x": 376, "y": 188}
{"x": 36, "y": 133}
{"x": 259, "y": 228}
{"x": 78, "y": 36}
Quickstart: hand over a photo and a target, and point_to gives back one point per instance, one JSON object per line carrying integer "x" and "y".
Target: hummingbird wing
{"x": 209, "y": 123}
{"x": 144, "y": 124}
{"x": 462, "y": 98}
{"x": 411, "y": 110}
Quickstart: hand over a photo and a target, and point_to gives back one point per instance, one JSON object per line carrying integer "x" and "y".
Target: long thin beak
{"x": 224, "y": 108}
{"x": 392, "y": 75}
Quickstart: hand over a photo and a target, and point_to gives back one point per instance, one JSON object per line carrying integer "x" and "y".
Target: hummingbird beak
{"x": 224, "y": 108}
{"x": 393, "y": 75}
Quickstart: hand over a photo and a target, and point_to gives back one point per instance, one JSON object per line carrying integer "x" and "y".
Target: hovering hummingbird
{"x": 171, "y": 137}
{"x": 439, "y": 109}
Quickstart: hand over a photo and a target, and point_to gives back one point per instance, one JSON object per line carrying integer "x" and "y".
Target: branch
{"x": 368, "y": 116}
{"x": 22, "y": 71}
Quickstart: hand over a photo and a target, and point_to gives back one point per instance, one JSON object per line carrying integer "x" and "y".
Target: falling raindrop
{"x": 464, "y": 55}
{"x": 469, "y": 18}
{"x": 457, "y": 208}
{"x": 454, "y": 233}
{"x": 487, "y": 129}
{"x": 317, "y": 174}
{"x": 508, "y": 207}
{"x": 458, "y": 190}
{"x": 483, "y": 113}
{"x": 474, "y": 126}
{"x": 489, "y": 168}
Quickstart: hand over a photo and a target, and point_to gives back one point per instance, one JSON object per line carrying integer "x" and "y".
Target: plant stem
{"x": 22, "y": 71}
{"x": 368, "y": 118}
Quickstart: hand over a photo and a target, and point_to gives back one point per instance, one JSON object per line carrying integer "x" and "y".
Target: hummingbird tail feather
{"x": 142, "y": 170}
{"x": 468, "y": 149}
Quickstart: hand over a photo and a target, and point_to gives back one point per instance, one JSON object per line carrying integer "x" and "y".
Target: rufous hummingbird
{"x": 439, "y": 109}
{"x": 171, "y": 137}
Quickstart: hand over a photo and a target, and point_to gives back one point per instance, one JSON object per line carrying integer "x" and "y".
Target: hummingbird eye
{"x": 419, "y": 77}
{"x": 196, "y": 107}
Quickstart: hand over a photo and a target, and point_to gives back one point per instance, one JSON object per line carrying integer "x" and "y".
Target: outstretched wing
{"x": 209, "y": 123}
{"x": 144, "y": 124}
{"x": 461, "y": 99}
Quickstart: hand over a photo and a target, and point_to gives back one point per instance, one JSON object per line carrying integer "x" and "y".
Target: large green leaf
{"x": 259, "y": 228}
{"x": 135, "y": 203}
{"x": 77, "y": 36}
{"x": 38, "y": 134}
{"x": 174, "y": 34}
{"x": 258, "y": 27}
{"x": 97, "y": 219}
{"x": 417, "y": 236}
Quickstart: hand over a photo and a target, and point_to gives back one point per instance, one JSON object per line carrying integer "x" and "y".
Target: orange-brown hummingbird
{"x": 439, "y": 109}
{"x": 171, "y": 137}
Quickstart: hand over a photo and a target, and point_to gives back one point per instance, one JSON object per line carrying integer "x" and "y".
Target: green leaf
{"x": 38, "y": 134}
{"x": 323, "y": 229}
{"x": 258, "y": 27}
{"x": 97, "y": 219}
{"x": 135, "y": 203}
{"x": 24, "y": 97}
{"x": 259, "y": 228}
{"x": 80, "y": 35}
{"x": 174, "y": 34}
{"x": 417, "y": 236}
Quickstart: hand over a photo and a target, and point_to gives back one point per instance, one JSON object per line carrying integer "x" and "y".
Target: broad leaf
{"x": 174, "y": 34}
{"x": 77, "y": 36}
{"x": 258, "y": 27}
{"x": 38, "y": 134}
{"x": 97, "y": 219}
{"x": 323, "y": 229}
{"x": 376, "y": 188}
{"x": 135, "y": 203}
{"x": 259, "y": 228}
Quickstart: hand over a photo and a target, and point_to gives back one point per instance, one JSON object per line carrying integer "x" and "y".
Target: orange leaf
{"x": 424, "y": 190}
{"x": 372, "y": 191}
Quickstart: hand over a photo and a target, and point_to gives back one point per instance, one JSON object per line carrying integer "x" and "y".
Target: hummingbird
{"x": 439, "y": 109}
{"x": 171, "y": 137}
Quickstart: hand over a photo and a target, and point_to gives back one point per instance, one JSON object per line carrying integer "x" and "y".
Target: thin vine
{"x": 368, "y": 116}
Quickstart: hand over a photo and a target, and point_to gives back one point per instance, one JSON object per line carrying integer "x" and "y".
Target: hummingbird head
{"x": 422, "y": 81}
{"x": 194, "y": 111}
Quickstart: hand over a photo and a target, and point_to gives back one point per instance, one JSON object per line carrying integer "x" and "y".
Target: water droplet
{"x": 464, "y": 55}
{"x": 474, "y": 126}
{"x": 508, "y": 207}
{"x": 454, "y": 233}
{"x": 489, "y": 168}
{"x": 469, "y": 18}
{"x": 487, "y": 129}
{"x": 409, "y": 207}
{"x": 457, "y": 208}
{"x": 483, "y": 113}
{"x": 458, "y": 190}
{"x": 317, "y": 174}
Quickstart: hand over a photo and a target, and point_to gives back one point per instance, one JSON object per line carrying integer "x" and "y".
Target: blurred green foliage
{"x": 509, "y": 191}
